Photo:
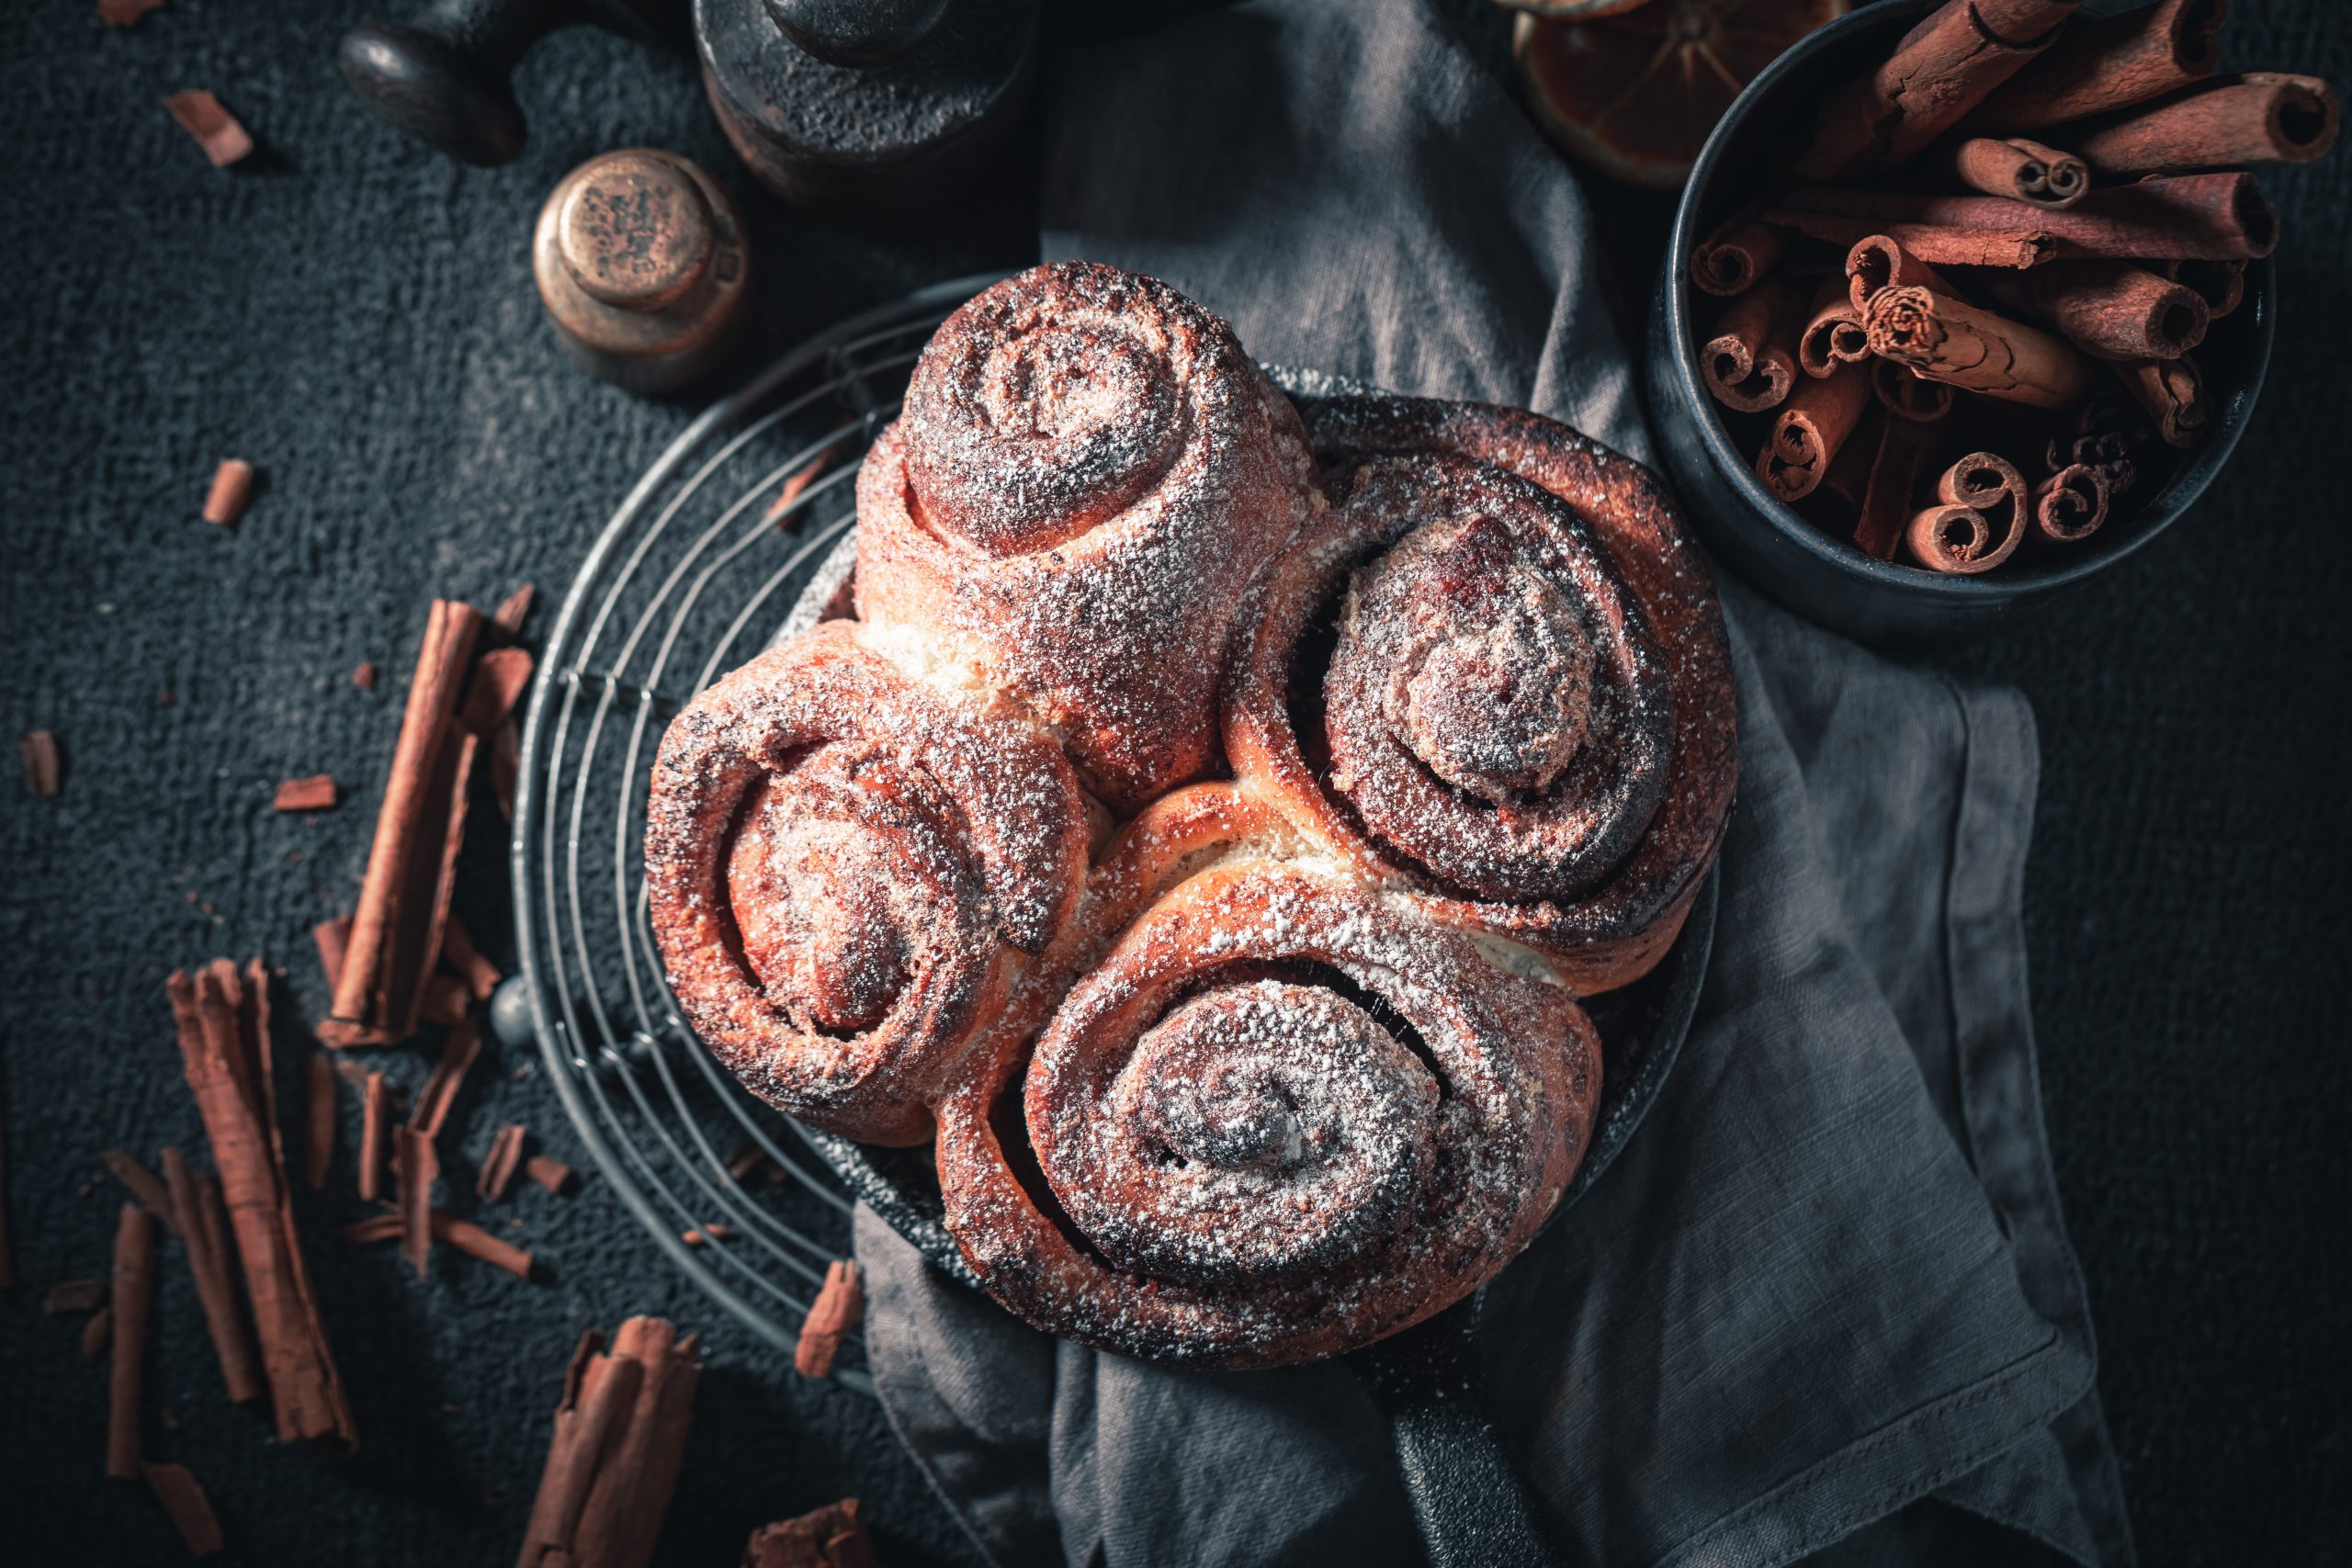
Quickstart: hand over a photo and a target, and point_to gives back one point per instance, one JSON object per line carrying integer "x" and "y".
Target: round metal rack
{"x": 698, "y": 568}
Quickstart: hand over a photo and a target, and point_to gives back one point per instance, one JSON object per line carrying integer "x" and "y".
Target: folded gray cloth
{"x": 1823, "y": 1302}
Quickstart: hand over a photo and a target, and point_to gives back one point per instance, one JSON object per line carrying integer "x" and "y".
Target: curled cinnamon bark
{"x": 1813, "y": 426}
{"x": 1979, "y": 518}
{"x": 2173, "y": 391}
{"x": 2262, "y": 117}
{"x": 2100, "y": 63}
{"x": 1943, "y": 68}
{"x": 2012, "y": 242}
{"x": 1943, "y": 339}
{"x": 1283, "y": 1118}
{"x": 2204, "y": 217}
{"x": 1880, "y": 261}
{"x": 2112, "y": 310}
{"x": 1735, "y": 256}
{"x": 1088, "y": 471}
{"x": 1750, "y": 363}
{"x": 846, "y": 871}
{"x": 2221, "y": 284}
{"x": 2023, "y": 170}
{"x": 2070, "y": 505}
{"x": 1834, "y": 335}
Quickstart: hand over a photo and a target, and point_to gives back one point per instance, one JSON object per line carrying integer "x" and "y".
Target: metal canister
{"x": 640, "y": 259}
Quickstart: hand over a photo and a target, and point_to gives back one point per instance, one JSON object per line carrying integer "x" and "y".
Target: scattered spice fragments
{"x": 215, "y": 128}
{"x": 232, "y": 488}
{"x": 363, "y": 674}
{"x": 74, "y": 1295}
{"x": 551, "y": 1174}
{"x": 317, "y": 792}
{"x": 126, "y": 12}
{"x": 829, "y": 1537}
{"x": 841, "y": 1302}
{"x": 190, "y": 1510}
{"x": 41, "y": 772}
{"x": 499, "y": 1165}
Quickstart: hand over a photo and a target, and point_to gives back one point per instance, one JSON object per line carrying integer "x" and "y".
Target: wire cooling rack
{"x": 696, "y": 571}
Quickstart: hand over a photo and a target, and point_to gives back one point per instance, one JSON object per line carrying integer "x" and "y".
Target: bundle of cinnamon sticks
{"x": 1961, "y": 330}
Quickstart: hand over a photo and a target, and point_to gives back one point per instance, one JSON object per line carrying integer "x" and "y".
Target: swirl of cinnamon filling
{"x": 1494, "y": 673}
{"x": 846, "y": 875}
{"x": 1087, "y": 472}
{"x": 1283, "y": 1116}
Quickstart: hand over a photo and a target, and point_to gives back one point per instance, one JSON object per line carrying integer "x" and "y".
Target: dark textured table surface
{"x": 355, "y": 316}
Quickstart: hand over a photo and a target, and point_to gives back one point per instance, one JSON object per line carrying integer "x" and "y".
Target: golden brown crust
{"x": 845, "y": 874}
{"x": 1284, "y": 1116}
{"x": 1615, "y": 927}
{"x": 1087, "y": 472}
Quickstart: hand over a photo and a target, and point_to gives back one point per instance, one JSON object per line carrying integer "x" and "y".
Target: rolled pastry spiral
{"x": 1493, "y": 672}
{"x": 847, "y": 875}
{"x": 1086, "y": 471}
{"x": 1282, "y": 1117}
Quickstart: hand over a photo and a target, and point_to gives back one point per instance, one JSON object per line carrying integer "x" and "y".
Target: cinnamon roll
{"x": 847, "y": 872}
{"x": 1494, "y": 673}
{"x": 1283, "y": 1116}
{"x": 1088, "y": 470}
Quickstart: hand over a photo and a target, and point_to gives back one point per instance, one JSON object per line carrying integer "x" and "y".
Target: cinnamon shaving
{"x": 41, "y": 771}
{"x": 224, "y": 1037}
{"x": 316, "y": 792}
{"x": 318, "y": 1119}
{"x": 134, "y": 1294}
{"x": 176, "y": 1488}
{"x": 620, "y": 1436}
{"x": 462, "y": 1236}
{"x": 232, "y": 488}
{"x": 839, "y": 1303}
{"x": 419, "y": 1167}
{"x": 333, "y": 939}
{"x": 405, "y": 896}
{"x": 126, "y": 12}
{"x": 458, "y": 952}
{"x": 551, "y": 1174}
{"x": 143, "y": 1185}
{"x": 375, "y": 1135}
{"x": 829, "y": 1537}
{"x": 795, "y": 484}
{"x": 363, "y": 674}
{"x": 74, "y": 1295}
{"x": 215, "y": 128}
{"x": 448, "y": 1074}
{"x": 498, "y": 1167}
{"x": 206, "y": 1245}
{"x": 97, "y": 1334}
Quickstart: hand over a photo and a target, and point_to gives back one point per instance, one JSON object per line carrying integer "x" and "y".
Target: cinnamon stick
{"x": 97, "y": 1334}
{"x": 839, "y": 1305}
{"x": 2105, "y": 63}
{"x": 40, "y": 752}
{"x": 318, "y": 1120}
{"x": 2070, "y": 505}
{"x": 134, "y": 1293}
{"x": 1886, "y": 497}
{"x": 1943, "y": 339}
{"x": 1750, "y": 363}
{"x": 2221, "y": 284}
{"x": 458, "y": 952}
{"x": 418, "y": 1167}
{"x": 1730, "y": 260}
{"x": 1944, "y": 67}
{"x": 479, "y": 1245}
{"x": 333, "y": 939}
{"x": 443, "y": 1001}
{"x": 1945, "y": 244}
{"x": 500, "y": 679}
{"x": 1979, "y": 518}
{"x": 143, "y": 1185}
{"x": 2262, "y": 117}
{"x": 405, "y": 896}
{"x": 448, "y": 1074}
{"x": 514, "y": 610}
{"x": 829, "y": 1537}
{"x": 205, "y": 1242}
{"x": 1908, "y": 396}
{"x": 2022, "y": 170}
{"x": 175, "y": 1488}
{"x": 375, "y": 1136}
{"x": 2112, "y": 309}
{"x": 2173, "y": 391}
{"x": 223, "y": 1029}
{"x": 622, "y": 1516}
{"x": 599, "y": 1393}
{"x": 1833, "y": 335}
{"x": 233, "y": 488}
{"x": 2205, "y": 217}
{"x": 498, "y": 1167}
{"x": 1811, "y": 426}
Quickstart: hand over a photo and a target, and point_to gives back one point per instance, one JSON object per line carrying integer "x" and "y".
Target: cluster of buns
{"x": 1206, "y": 824}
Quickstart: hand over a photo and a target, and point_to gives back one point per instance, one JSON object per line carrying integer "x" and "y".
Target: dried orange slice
{"x": 1635, "y": 93}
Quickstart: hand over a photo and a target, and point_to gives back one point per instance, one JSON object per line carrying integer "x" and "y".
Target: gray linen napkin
{"x": 1824, "y": 1304}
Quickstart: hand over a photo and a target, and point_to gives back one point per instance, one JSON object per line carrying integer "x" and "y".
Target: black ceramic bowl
{"x": 1824, "y": 579}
